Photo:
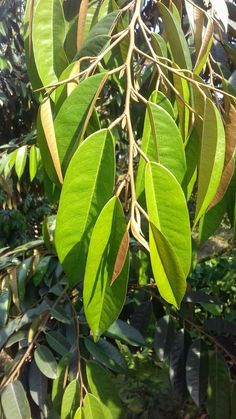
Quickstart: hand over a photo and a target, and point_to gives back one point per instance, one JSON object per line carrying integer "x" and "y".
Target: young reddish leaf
{"x": 121, "y": 256}
{"x": 48, "y": 128}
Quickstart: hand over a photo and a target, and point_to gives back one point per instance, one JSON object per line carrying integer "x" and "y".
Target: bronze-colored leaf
{"x": 48, "y": 128}
{"x": 121, "y": 256}
{"x": 198, "y": 26}
{"x": 81, "y": 22}
{"x": 205, "y": 47}
{"x": 229, "y": 165}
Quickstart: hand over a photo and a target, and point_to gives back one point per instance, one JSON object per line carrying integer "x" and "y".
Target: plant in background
{"x": 136, "y": 131}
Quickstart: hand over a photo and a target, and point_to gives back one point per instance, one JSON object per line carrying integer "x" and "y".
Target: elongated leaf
{"x": 60, "y": 382}
{"x": 83, "y": 10}
{"x": 164, "y": 335}
{"x": 211, "y": 220}
{"x": 177, "y": 361}
{"x": 167, "y": 270}
{"x": 45, "y": 361}
{"x": 192, "y": 151}
{"x": 164, "y": 212}
{"x": 70, "y": 400}
{"x": 161, "y": 143}
{"x": 182, "y": 98}
{"x": 162, "y": 100}
{"x": 82, "y": 198}
{"x": 69, "y": 122}
{"x": 48, "y": 128}
{"x": 92, "y": 408}
{"x": 175, "y": 38}
{"x": 5, "y": 300}
{"x": 205, "y": 48}
{"x": 49, "y": 25}
{"x": 197, "y": 371}
{"x": 107, "y": 354}
{"x": 23, "y": 273}
{"x": 33, "y": 162}
{"x": 211, "y": 159}
{"x": 41, "y": 270}
{"x": 58, "y": 342}
{"x": 103, "y": 301}
{"x": 103, "y": 387}
{"x": 218, "y": 402}
{"x": 20, "y": 162}
{"x": 121, "y": 256}
{"x": 38, "y": 385}
{"x": 126, "y": 333}
{"x": 14, "y": 402}
{"x": 229, "y": 164}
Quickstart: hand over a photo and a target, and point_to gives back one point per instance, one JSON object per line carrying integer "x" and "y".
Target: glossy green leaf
{"x": 175, "y": 38}
{"x": 126, "y": 333}
{"x": 211, "y": 159}
{"x": 106, "y": 353}
{"x": 70, "y": 400}
{"x": 45, "y": 361}
{"x": 162, "y": 100}
{"x": 162, "y": 143}
{"x": 88, "y": 185}
{"x": 170, "y": 216}
{"x": 69, "y": 122}
{"x": 197, "y": 371}
{"x": 93, "y": 409}
{"x": 211, "y": 220}
{"x": 103, "y": 387}
{"x": 49, "y": 25}
{"x": 183, "y": 89}
{"x": 33, "y": 162}
{"x": 20, "y": 161}
{"x": 14, "y": 402}
{"x": 60, "y": 382}
{"x": 103, "y": 301}
{"x": 5, "y": 300}
{"x": 218, "y": 402}
{"x": 38, "y": 385}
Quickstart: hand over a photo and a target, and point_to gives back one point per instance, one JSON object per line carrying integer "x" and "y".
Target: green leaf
{"x": 48, "y": 38}
{"x": 192, "y": 150}
{"x": 211, "y": 159}
{"x": 57, "y": 342}
{"x": 126, "y": 333}
{"x": 211, "y": 220}
{"x": 197, "y": 371}
{"x": 164, "y": 334}
{"x": 41, "y": 270}
{"x": 38, "y": 385}
{"x": 33, "y": 162}
{"x": 167, "y": 209}
{"x": 23, "y": 274}
{"x": 14, "y": 402}
{"x": 182, "y": 87}
{"x": 79, "y": 413}
{"x": 162, "y": 100}
{"x": 107, "y": 354}
{"x": 5, "y": 301}
{"x": 162, "y": 143}
{"x": 206, "y": 45}
{"x": 20, "y": 162}
{"x": 70, "y": 400}
{"x": 177, "y": 360}
{"x": 103, "y": 302}
{"x": 45, "y": 361}
{"x": 59, "y": 382}
{"x": 175, "y": 37}
{"x": 218, "y": 402}
{"x": 70, "y": 120}
{"x": 82, "y": 198}
{"x": 101, "y": 384}
{"x": 93, "y": 408}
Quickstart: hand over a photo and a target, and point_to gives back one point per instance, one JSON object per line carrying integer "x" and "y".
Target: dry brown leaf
{"x": 48, "y": 128}
{"x": 229, "y": 165}
{"x": 81, "y": 22}
{"x": 121, "y": 256}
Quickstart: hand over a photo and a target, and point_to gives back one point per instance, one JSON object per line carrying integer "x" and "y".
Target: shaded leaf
{"x": 60, "y": 382}
{"x": 164, "y": 335}
{"x": 218, "y": 401}
{"x": 177, "y": 361}
{"x": 38, "y": 385}
{"x": 197, "y": 371}
{"x": 14, "y": 402}
{"x": 126, "y": 333}
{"x": 70, "y": 400}
{"x": 107, "y": 354}
{"x": 45, "y": 361}
{"x": 5, "y": 300}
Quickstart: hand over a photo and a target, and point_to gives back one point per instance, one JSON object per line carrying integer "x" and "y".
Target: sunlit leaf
{"x": 70, "y": 400}
{"x": 20, "y": 161}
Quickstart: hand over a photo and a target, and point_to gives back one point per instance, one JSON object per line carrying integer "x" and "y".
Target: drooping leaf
{"x": 48, "y": 128}
{"x": 160, "y": 184}
{"x": 20, "y": 161}
{"x": 205, "y": 48}
{"x": 162, "y": 143}
{"x": 38, "y": 385}
{"x": 70, "y": 120}
{"x": 211, "y": 158}
{"x": 162, "y": 100}
{"x": 121, "y": 256}
{"x": 197, "y": 371}
{"x": 177, "y": 361}
{"x": 45, "y": 361}
{"x": 192, "y": 150}
{"x": 22, "y": 276}
{"x": 5, "y": 299}
{"x": 183, "y": 98}
{"x": 14, "y": 401}
{"x": 106, "y": 353}
{"x": 103, "y": 387}
{"x": 126, "y": 333}
{"x": 218, "y": 401}
{"x": 164, "y": 334}
{"x": 60, "y": 382}
{"x": 33, "y": 162}
{"x": 175, "y": 38}
{"x": 83, "y": 10}
{"x": 103, "y": 301}
{"x": 94, "y": 162}
{"x": 49, "y": 25}
{"x": 70, "y": 400}
{"x": 93, "y": 409}
{"x": 211, "y": 220}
